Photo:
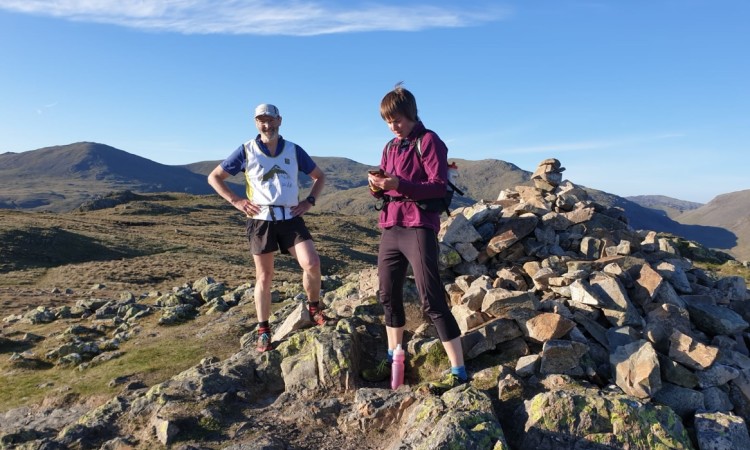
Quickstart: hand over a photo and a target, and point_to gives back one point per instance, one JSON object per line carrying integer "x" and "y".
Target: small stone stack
{"x": 548, "y": 175}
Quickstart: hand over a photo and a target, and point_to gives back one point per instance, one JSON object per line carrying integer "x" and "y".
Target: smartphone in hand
{"x": 377, "y": 173}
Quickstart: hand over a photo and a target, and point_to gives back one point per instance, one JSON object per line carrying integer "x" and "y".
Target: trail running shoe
{"x": 264, "y": 343}
{"x": 379, "y": 373}
{"x": 318, "y": 318}
{"x": 445, "y": 384}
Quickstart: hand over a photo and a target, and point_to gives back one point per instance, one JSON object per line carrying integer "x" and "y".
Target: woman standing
{"x": 412, "y": 172}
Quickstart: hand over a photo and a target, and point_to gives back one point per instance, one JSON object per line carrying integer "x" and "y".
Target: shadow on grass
{"x": 11, "y": 346}
{"x": 49, "y": 247}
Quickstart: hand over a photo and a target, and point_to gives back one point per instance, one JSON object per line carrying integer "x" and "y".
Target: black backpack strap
{"x": 386, "y": 199}
{"x": 419, "y": 157}
{"x": 419, "y": 153}
{"x": 388, "y": 147}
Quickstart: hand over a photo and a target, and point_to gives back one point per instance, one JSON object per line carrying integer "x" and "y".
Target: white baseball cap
{"x": 266, "y": 109}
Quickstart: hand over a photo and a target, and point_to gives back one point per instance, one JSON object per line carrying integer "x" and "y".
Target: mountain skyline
{"x": 635, "y": 98}
{"x": 63, "y": 178}
{"x": 86, "y": 159}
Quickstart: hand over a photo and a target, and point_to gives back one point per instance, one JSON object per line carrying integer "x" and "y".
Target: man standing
{"x": 273, "y": 210}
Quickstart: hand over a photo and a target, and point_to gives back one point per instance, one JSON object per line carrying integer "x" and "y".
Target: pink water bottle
{"x": 452, "y": 172}
{"x": 397, "y": 367}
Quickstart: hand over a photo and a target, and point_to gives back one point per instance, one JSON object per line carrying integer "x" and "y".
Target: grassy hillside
{"x": 160, "y": 241}
{"x": 153, "y": 243}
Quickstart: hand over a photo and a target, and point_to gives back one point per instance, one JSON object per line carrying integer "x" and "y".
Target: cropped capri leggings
{"x": 400, "y": 247}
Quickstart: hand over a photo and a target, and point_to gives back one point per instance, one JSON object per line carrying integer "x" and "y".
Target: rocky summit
{"x": 579, "y": 333}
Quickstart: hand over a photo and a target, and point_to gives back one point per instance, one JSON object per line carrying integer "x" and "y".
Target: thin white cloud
{"x": 259, "y": 17}
{"x": 41, "y": 110}
{"x": 589, "y": 145}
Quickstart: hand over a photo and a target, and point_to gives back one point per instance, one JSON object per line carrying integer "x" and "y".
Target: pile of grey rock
{"x": 575, "y": 291}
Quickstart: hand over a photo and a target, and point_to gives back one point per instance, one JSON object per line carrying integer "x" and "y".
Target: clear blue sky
{"x": 633, "y": 97}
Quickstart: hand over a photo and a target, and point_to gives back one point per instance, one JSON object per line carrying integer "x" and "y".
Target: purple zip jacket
{"x": 417, "y": 180}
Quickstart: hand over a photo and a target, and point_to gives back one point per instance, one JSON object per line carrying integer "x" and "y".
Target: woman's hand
{"x": 386, "y": 182}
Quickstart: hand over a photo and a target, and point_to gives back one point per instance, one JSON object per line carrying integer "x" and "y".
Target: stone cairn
{"x": 569, "y": 287}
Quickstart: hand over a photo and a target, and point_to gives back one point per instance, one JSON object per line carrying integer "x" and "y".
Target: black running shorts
{"x": 267, "y": 236}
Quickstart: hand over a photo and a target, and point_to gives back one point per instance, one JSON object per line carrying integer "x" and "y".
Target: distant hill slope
{"x": 672, "y": 207}
{"x": 60, "y": 178}
{"x": 346, "y": 182}
{"x": 642, "y": 218}
{"x": 728, "y": 211}
{"x": 342, "y": 175}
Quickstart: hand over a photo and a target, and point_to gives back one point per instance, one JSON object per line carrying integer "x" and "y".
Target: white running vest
{"x": 272, "y": 180}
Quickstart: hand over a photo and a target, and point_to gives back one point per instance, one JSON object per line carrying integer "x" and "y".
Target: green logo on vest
{"x": 275, "y": 171}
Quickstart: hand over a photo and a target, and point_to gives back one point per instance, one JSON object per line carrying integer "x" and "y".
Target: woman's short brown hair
{"x": 399, "y": 101}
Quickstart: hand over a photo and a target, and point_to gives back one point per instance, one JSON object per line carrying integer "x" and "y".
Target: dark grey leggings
{"x": 400, "y": 247}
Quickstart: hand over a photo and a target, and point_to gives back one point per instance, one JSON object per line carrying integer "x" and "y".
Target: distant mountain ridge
{"x": 84, "y": 160}
{"x": 672, "y": 207}
{"x": 723, "y": 223}
{"x": 62, "y": 178}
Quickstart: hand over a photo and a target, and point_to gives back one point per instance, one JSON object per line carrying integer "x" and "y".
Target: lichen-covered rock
{"x": 94, "y": 426}
{"x": 589, "y": 419}
{"x": 461, "y": 418}
{"x": 718, "y": 431}
{"x": 317, "y": 360}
